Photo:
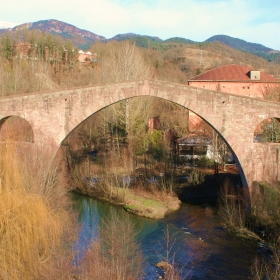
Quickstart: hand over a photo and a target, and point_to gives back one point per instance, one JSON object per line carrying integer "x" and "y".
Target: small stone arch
{"x": 268, "y": 131}
{"x": 14, "y": 128}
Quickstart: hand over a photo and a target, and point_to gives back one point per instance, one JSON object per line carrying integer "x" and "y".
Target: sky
{"x": 255, "y": 21}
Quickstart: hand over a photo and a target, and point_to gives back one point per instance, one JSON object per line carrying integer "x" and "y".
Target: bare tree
{"x": 116, "y": 254}
{"x": 123, "y": 62}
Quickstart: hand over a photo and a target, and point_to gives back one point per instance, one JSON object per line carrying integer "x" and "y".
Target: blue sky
{"x": 255, "y": 21}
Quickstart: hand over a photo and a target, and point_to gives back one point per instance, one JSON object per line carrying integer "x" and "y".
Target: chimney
{"x": 255, "y": 75}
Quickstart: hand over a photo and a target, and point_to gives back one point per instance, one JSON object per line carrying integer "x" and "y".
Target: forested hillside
{"x": 253, "y": 48}
{"x": 44, "y": 61}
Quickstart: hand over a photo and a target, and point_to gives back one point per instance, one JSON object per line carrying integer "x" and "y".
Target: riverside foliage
{"x": 33, "y": 227}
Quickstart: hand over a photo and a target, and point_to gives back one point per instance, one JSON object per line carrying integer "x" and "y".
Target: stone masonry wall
{"x": 53, "y": 115}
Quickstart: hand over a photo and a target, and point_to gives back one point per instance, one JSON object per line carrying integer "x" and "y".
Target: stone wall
{"x": 53, "y": 115}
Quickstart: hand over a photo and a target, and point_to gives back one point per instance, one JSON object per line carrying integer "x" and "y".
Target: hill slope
{"x": 244, "y": 46}
{"x": 80, "y": 37}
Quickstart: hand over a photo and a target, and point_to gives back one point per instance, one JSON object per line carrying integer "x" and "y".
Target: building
{"x": 236, "y": 79}
{"x": 194, "y": 146}
{"x": 86, "y": 56}
{"x": 153, "y": 123}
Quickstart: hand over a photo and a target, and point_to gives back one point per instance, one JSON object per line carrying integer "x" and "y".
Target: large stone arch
{"x": 242, "y": 175}
{"x": 53, "y": 115}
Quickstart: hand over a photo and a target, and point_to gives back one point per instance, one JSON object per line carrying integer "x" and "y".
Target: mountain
{"x": 80, "y": 37}
{"x": 143, "y": 41}
{"x": 244, "y": 46}
{"x": 83, "y": 38}
{"x": 179, "y": 40}
{"x": 238, "y": 44}
{"x": 125, "y": 36}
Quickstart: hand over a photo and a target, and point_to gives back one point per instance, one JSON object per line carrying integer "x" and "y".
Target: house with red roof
{"x": 86, "y": 56}
{"x": 236, "y": 79}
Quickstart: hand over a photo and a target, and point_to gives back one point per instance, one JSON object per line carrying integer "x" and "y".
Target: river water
{"x": 203, "y": 248}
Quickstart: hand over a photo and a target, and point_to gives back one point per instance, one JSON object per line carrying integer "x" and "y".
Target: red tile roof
{"x": 231, "y": 73}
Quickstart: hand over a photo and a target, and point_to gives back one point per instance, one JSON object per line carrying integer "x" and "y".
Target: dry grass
{"x": 209, "y": 59}
{"x": 32, "y": 226}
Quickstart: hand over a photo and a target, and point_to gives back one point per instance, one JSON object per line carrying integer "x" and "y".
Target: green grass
{"x": 130, "y": 207}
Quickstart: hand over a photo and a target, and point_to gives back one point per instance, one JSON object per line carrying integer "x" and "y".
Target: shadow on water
{"x": 203, "y": 249}
{"x": 206, "y": 192}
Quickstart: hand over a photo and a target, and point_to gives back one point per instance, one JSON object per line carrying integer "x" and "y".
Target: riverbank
{"x": 152, "y": 193}
{"x": 154, "y": 197}
{"x": 153, "y": 205}
{"x": 147, "y": 205}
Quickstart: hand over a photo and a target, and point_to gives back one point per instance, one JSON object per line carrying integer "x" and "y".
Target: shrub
{"x": 195, "y": 177}
{"x": 265, "y": 208}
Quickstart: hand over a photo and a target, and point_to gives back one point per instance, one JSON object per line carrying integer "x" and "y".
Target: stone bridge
{"x": 53, "y": 115}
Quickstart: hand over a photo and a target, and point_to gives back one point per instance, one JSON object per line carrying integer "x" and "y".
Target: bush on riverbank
{"x": 263, "y": 219}
{"x": 264, "y": 214}
{"x": 265, "y": 208}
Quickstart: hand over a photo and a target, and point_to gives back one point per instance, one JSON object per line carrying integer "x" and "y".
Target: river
{"x": 203, "y": 248}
